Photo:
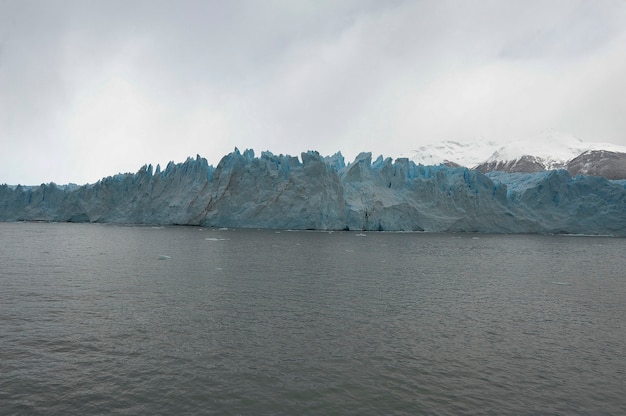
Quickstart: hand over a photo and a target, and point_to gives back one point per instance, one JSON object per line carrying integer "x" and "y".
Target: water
{"x": 101, "y": 319}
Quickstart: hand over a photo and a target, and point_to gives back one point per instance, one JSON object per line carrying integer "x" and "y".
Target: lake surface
{"x": 103, "y": 319}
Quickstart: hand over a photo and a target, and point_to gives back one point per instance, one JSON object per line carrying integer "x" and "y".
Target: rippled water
{"x": 101, "y": 319}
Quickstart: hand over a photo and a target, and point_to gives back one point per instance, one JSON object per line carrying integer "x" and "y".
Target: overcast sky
{"x": 92, "y": 88}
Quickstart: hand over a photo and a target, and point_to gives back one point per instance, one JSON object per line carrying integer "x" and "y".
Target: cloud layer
{"x": 92, "y": 88}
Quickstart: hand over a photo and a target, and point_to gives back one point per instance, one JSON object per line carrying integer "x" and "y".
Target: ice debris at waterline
{"x": 324, "y": 193}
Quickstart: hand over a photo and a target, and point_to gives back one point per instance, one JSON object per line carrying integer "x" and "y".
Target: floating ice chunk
{"x": 561, "y": 283}
{"x": 163, "y": 257}
{"x": 214, "y": 239}
{"x": 360, "y": 235}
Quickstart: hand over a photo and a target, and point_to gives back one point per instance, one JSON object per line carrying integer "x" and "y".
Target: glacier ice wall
{"x": 171, "y": 196}
{"x": 315, "y": 192}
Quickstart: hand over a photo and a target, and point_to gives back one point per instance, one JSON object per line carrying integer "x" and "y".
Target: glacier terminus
{"x": 315, "y": 192}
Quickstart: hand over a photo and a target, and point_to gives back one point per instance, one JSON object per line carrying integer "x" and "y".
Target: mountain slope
{"x": 611, "y": 165}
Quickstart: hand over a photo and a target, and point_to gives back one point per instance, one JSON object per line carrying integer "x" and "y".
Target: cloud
{"x": 416, "y": 73}
{"x": 93, "y": 88}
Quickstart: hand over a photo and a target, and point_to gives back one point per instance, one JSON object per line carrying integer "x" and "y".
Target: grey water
{"x": 103, "y": 319}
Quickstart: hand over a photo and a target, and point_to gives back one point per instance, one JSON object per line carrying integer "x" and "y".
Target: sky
{"x": 92, "y": 88}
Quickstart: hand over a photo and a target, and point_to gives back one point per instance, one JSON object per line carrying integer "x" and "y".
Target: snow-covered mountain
{"x": 546, "y": 151}
{"x": 463, "y": 153}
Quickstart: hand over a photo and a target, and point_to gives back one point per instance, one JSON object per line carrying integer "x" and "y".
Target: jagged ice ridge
{"x": 325, "y": 193}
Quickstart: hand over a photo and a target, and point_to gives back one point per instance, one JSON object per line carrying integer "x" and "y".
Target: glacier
{"x": 315, "y": 192}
